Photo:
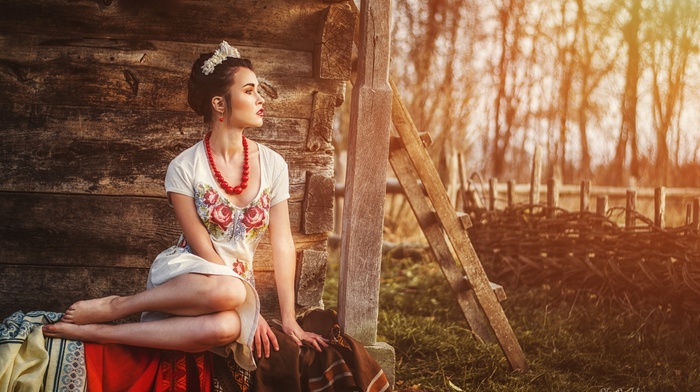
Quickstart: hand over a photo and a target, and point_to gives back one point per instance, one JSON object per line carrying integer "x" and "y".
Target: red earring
{"x": 221, "y": 119}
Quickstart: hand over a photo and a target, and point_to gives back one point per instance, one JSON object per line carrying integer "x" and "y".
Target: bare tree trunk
{"x": 628, "y": 128}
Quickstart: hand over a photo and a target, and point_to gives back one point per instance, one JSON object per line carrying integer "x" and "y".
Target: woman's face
{"x": 246, "y": 102}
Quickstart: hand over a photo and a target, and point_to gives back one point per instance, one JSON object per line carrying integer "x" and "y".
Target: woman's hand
{"x": 264, "y": 338}
{"x": 293, "y": 329}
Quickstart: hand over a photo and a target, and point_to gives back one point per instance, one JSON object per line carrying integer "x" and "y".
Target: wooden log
{"x": 660, "y": 207}
{"x": 311, "y": 277}
{"x": 289, "y": 24}
{"x": 536, "y": 177}
{"x": 321, "y": 127}
{"x": 35, "y": 287}
{"x": 333, "y": 48}
{"x": 106, "y": 151}
{"x": 585, "y": 196}
{"x": 318, "y": 205}
{"x": 630, "y": 209}
{"x": 368, "y": 148}
{"x": 151, "y": 74}
{"x": 108, "y": 231}
{"x": 493, "y": 193}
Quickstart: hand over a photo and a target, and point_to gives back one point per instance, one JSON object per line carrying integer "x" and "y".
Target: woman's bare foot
{"x": 70, "y": 331}
{"x": 92, "y": 311}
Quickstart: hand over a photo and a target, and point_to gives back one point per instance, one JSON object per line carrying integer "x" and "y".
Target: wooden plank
{"x": 35, "y": 287}
{"x": 282, "y": 24}
{"x": 406, "y": 174}
{"x": 333, "y": 49}
{"x": 368, "y": 148}
{"x": 318, "y": 205}
{"x": 109, "y": 231}
{"x": 458, "y": 237}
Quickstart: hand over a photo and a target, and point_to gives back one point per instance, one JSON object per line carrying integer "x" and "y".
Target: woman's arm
{"x": 284, "y": 262}
{"x": 196, "y": 234}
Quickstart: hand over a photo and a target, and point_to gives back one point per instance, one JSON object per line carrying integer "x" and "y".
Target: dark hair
{"x": 202, "y": 88}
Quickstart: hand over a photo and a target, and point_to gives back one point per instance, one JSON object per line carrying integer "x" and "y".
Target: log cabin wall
{"x": 93, "y": 107}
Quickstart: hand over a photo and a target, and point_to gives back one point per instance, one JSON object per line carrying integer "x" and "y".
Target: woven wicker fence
{"x": 644, "y": 264}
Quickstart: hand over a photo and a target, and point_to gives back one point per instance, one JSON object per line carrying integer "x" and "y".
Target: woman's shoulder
{"x": 270, "y": 156}
{"x": 187, "y": 156}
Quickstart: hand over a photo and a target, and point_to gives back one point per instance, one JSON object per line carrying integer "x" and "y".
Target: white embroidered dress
{"x": 235, "y": 233}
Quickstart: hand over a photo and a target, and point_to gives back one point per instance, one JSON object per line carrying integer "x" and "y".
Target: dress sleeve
{"x": 280, "y": 181}
{"x": 178, "y": 179}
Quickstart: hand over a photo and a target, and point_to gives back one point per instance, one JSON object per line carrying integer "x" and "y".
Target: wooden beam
{"x": 368, "y": 147}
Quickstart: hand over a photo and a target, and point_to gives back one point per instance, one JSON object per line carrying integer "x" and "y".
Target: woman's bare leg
{"x": 185, "y": 295}
{"x": 191, "y": 334}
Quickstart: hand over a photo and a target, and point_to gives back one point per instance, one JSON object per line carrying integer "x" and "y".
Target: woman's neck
{"x": 227, "y": 143}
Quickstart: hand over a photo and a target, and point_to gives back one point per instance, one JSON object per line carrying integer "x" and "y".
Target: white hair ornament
{"x": 225, "y": 50}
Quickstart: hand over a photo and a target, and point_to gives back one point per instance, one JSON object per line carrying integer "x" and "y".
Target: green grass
{"x": 573, "y": 341}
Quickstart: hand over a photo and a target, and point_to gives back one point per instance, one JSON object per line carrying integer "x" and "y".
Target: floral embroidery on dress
{"x": 225, "y": 221}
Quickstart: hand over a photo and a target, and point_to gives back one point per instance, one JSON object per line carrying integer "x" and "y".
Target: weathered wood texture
{"x": 368, "y": 148}
{"x": 88, "y": 126}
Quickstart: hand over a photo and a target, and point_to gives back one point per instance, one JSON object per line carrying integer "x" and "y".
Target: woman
{"x": 226, "y": 191}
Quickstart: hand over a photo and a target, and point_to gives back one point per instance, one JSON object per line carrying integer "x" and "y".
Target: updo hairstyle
{"x": 202, "y": 88}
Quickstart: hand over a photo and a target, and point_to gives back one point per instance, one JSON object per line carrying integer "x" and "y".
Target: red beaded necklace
{"x": 231, "y": 190}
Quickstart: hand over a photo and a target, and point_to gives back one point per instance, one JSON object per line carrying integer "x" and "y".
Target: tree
{"x": 628, "y": 127}
{"x": 672, "y": 39}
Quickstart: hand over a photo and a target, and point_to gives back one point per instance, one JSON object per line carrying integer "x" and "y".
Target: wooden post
{"x": 493, "y": 194}
{"x": 552, "y": 197}
{"x": 585, "y": 196}
{"x": 630, "y": 209}
{"x": 660, "y": 207}
{"x": 696, "y": 213}
{"x": 365, "y": 185}
{"x": 511, "y": 190}
{"x": 601, "y": 207}
{"x": 536, "y": 177}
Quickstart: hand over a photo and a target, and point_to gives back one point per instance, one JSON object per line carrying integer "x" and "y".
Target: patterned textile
{"x": 230, "y": 377}
{"x": 66, "y": 370}
{"x": 184, "y": 372}
{"x": 29, "y": 362}
{"x": 345, "y": 366}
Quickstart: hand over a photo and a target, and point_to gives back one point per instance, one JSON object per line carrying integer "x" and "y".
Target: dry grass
{"x": 573, "y": 341}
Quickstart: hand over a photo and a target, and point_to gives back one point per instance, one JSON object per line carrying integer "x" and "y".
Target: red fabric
{"x": 114, "y": 367}
{"x": 184, "y": 372}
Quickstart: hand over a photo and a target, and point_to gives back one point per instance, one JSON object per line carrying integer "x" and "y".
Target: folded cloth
{"x": 344, "y": 366}
{"x": 118, "y": 367}
{"x": 66, "y": 370}
{"x": 27, "y": 360}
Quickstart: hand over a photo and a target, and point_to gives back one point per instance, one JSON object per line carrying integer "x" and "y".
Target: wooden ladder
{"x": 446, "y": 232}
